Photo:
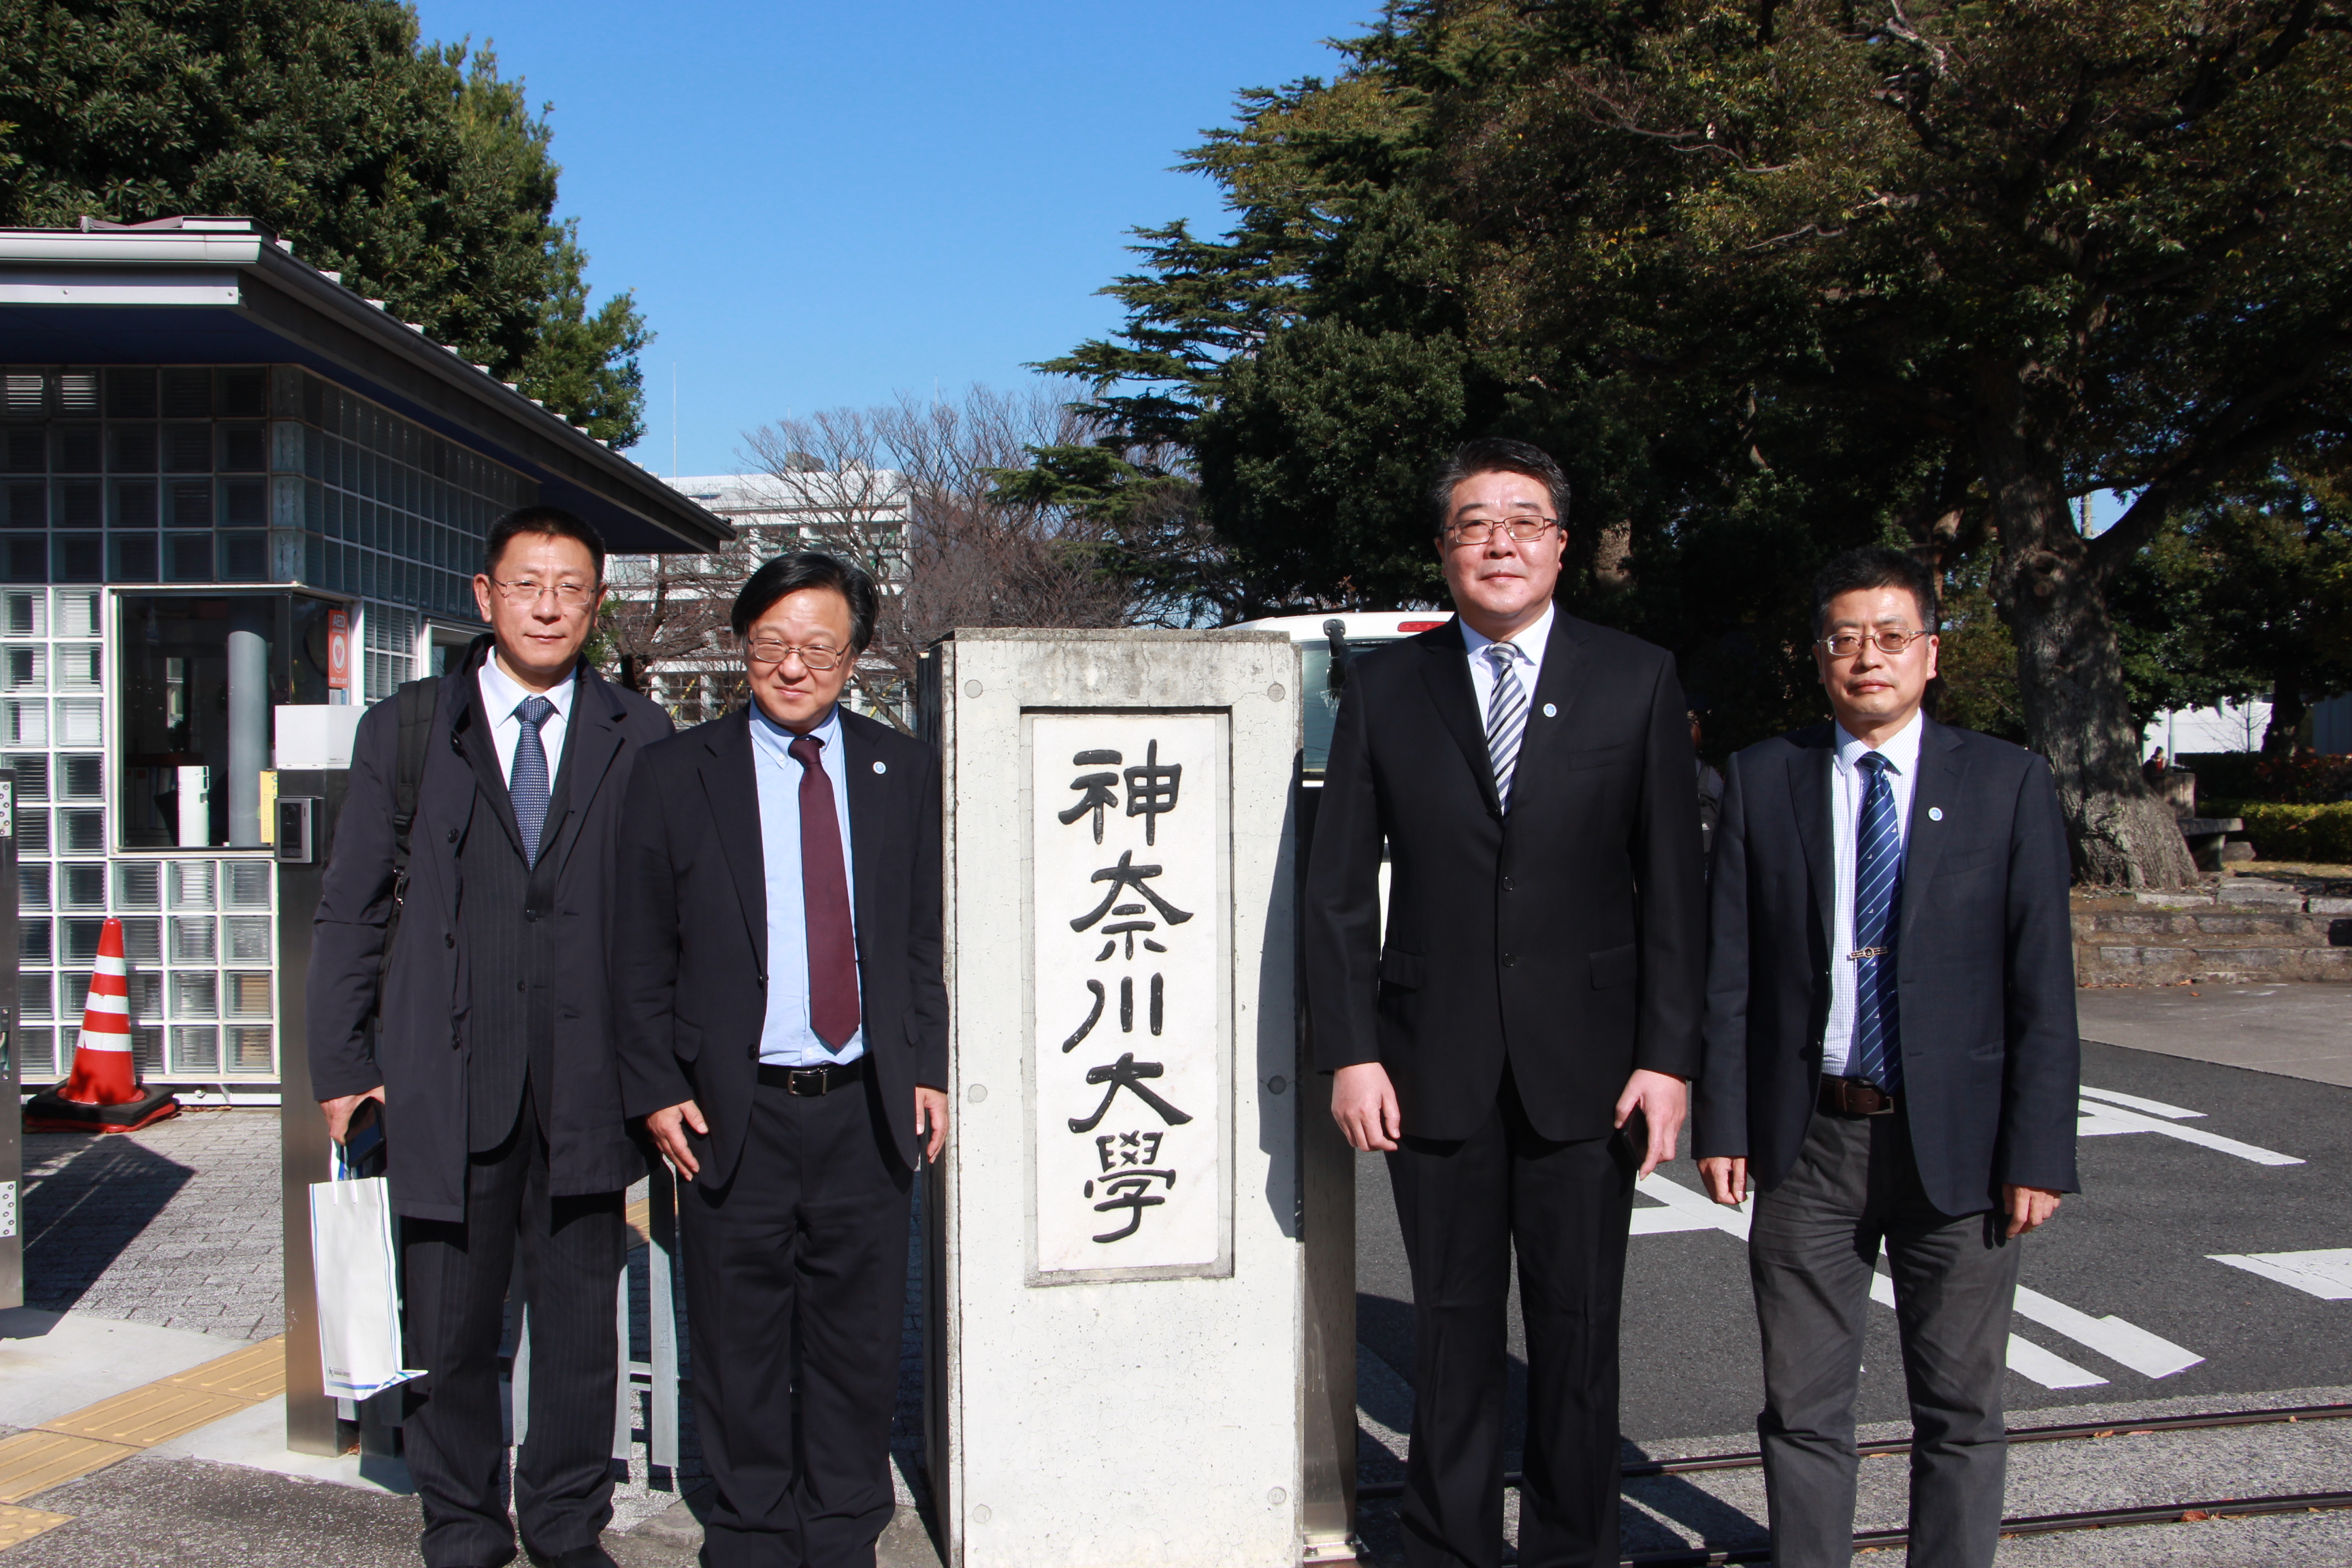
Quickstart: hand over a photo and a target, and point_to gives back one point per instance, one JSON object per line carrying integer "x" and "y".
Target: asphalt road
{"x": 2133, "y": 1244}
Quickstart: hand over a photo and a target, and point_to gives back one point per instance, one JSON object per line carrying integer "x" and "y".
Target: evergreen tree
{"x": 416, "y": 171}
{"x": 1773, "y": 278}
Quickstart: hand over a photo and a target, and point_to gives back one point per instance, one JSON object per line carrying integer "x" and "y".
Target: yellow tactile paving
{"x": 111, "y": 1430}
{"x": 148, "y": 1415}
{"x": 252, "y": 1375}
{"x": 35, "y": 1461}
{"x": 21, "y": 1524}
{"x": 640, "y": 1218}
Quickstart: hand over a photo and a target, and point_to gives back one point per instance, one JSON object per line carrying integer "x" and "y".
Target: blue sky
{"x": 819, "y": 205}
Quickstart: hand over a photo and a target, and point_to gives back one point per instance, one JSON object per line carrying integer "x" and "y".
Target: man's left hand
{"x": 932, "y": 1116}
{"x": 2028, "y": 1207}
{"x": 1664, "y": 1100}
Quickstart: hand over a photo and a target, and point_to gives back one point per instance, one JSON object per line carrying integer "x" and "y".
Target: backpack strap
{"x": 417, "y": 699}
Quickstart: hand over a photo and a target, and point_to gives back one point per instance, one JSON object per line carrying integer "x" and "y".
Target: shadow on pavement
{"x": 87, "y": 1199}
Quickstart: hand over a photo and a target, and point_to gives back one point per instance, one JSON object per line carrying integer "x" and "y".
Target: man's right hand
{"x": 340, "y": 1109}
{"x": 1725, "y": 1179}
{"x": 668, "y": 1127}
{"x": 1364, "y": 1104}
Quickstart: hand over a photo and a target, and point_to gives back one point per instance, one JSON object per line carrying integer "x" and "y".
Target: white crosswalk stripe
{"x": 2127, "y": 1343}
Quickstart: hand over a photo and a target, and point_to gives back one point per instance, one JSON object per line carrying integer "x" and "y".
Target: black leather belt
{"x": 1853, "y": 1097}
{"x": 813, "y": 1080}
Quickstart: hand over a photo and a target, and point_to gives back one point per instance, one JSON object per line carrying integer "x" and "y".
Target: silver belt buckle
{"x": 805, "y": 1082}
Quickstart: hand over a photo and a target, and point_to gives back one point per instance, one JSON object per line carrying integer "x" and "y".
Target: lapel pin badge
{"x": 1551, "y": 709}
{"x": 1935, "y": 813}
{"x": 881, "y": 767}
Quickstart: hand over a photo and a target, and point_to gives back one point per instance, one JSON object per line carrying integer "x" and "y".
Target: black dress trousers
{"x": 809, "y": 1236}
{"x": 1566, "y": 1209}
{"x": 573, "y": 1251}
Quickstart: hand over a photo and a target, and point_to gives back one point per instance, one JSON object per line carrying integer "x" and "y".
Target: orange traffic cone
{"x": 102, "y": 1093}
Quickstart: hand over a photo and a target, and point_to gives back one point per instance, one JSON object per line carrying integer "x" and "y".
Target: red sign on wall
{"x": 339, "y": 650}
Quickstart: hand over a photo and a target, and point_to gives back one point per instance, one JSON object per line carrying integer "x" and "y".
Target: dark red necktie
{"x": 824, "y": 895}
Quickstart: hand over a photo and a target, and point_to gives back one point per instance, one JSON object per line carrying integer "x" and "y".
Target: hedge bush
{"x": 2321, "y": 833}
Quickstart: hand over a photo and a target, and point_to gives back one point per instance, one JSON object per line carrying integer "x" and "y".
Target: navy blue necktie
{"x": 1877, "y": 910}
{"x": 528, "y": 788}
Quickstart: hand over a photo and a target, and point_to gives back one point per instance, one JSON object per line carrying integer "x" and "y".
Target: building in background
{"x": 2241, "y": 726}
{"x": 666, "y": 632}
{"x": 239, "y": 502}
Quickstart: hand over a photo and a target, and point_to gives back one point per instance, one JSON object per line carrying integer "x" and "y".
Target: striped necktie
{"x": 1877, "y": 910}
{"x": 528, "y": 788}
{"x": 1506, "y": 717}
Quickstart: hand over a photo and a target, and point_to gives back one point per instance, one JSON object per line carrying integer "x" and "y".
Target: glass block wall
{"x": 390, "y": 512}
{"x": 154, "y": 479}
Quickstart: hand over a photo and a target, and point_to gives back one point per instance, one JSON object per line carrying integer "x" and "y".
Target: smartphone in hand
{"x": 362, "y": 1150}
{"x": 1632, "y": 1139}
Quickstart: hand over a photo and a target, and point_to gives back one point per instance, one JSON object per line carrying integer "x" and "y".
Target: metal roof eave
{"x": 296, "y": 301}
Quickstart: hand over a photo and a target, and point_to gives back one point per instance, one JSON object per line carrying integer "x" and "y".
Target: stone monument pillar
{"x": 1140, "y": 1271}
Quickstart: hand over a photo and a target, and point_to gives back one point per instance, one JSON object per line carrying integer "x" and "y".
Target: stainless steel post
{"x": 248, "y": 727}
{"x": 12, "y": 1125}
{"x": 1327, "y": 1223}
{"x": 304, "y": 1154}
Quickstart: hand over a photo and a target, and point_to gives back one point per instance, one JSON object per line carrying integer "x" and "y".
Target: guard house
{"x": 232, "y": 487}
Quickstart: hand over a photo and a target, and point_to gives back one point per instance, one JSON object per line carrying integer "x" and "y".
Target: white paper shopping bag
{"x": 355, "y": 1267}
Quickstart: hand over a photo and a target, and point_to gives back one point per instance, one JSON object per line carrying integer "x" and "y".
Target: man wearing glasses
{"x": 484, "y": 1034}
{"x": 1518, "y": 1040}
{"x": 782, "y": 1017}
{"x": 1890, "y": 1059}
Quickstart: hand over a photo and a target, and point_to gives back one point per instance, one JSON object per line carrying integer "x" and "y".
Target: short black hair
{"x": 545, "y": 520}
{"x": 1494, "y": 455}
{"x": 809, "y": 569}
{"x": 1875, "y": 566}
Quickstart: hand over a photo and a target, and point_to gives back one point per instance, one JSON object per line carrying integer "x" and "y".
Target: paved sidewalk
{"x": 150, "y": 1252}
{"x": 2302, "y": 1031}
{"x": 176, "y": 1225}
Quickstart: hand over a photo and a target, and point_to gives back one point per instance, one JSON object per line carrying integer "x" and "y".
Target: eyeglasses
{"x": 1847, "y": 644}
{"x": 766, "y": 652}
{"x": 526, "y": 590}
{"x": 1526, "y": 529}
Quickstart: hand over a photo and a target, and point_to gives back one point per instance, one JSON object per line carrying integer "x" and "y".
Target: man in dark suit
{"x": 782, "y": 1012}
{"x": 1531, "y": 777}
{"x": 490, "y": 1047}
{"x": 1891, "y": 1057}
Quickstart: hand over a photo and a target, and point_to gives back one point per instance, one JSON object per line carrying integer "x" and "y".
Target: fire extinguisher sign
{"x": 339, "y": 650}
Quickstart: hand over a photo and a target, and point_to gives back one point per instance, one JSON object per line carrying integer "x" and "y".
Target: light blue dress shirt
{"x": 1847, "y": 787}
{"x": 787, "y": 1038}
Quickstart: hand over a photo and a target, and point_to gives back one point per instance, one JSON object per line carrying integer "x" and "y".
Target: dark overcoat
{"x": 1984, "y": 965}
{"x": 691, "y": 932}
{"x": 1562, "y": 936}
{"x": 419, "y": 1052}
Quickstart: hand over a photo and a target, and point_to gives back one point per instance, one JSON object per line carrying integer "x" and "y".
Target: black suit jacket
{"x": 690, "y": 936}
{"x": 1563, "y": 936}
{"x": 1984, "y": 958}
{"x": 419, "y": 1053}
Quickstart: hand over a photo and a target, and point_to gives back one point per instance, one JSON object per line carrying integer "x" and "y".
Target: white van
{"x": 1318, "y": 637}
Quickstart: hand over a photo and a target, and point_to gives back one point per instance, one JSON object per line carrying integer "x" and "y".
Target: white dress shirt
{"x": 1847, "y": 782}
{"x": 1527, "y": 660}
{"x": 787, "y": 1036}
{"x": 502, "y": 694}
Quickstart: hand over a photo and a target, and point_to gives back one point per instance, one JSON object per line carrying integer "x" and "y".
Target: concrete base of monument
{"x": 1138, "y": 1267}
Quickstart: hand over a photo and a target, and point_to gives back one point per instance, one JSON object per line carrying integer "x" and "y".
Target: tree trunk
{"x": 2070, "y": 672}
{"x": 2287, "y": 709}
